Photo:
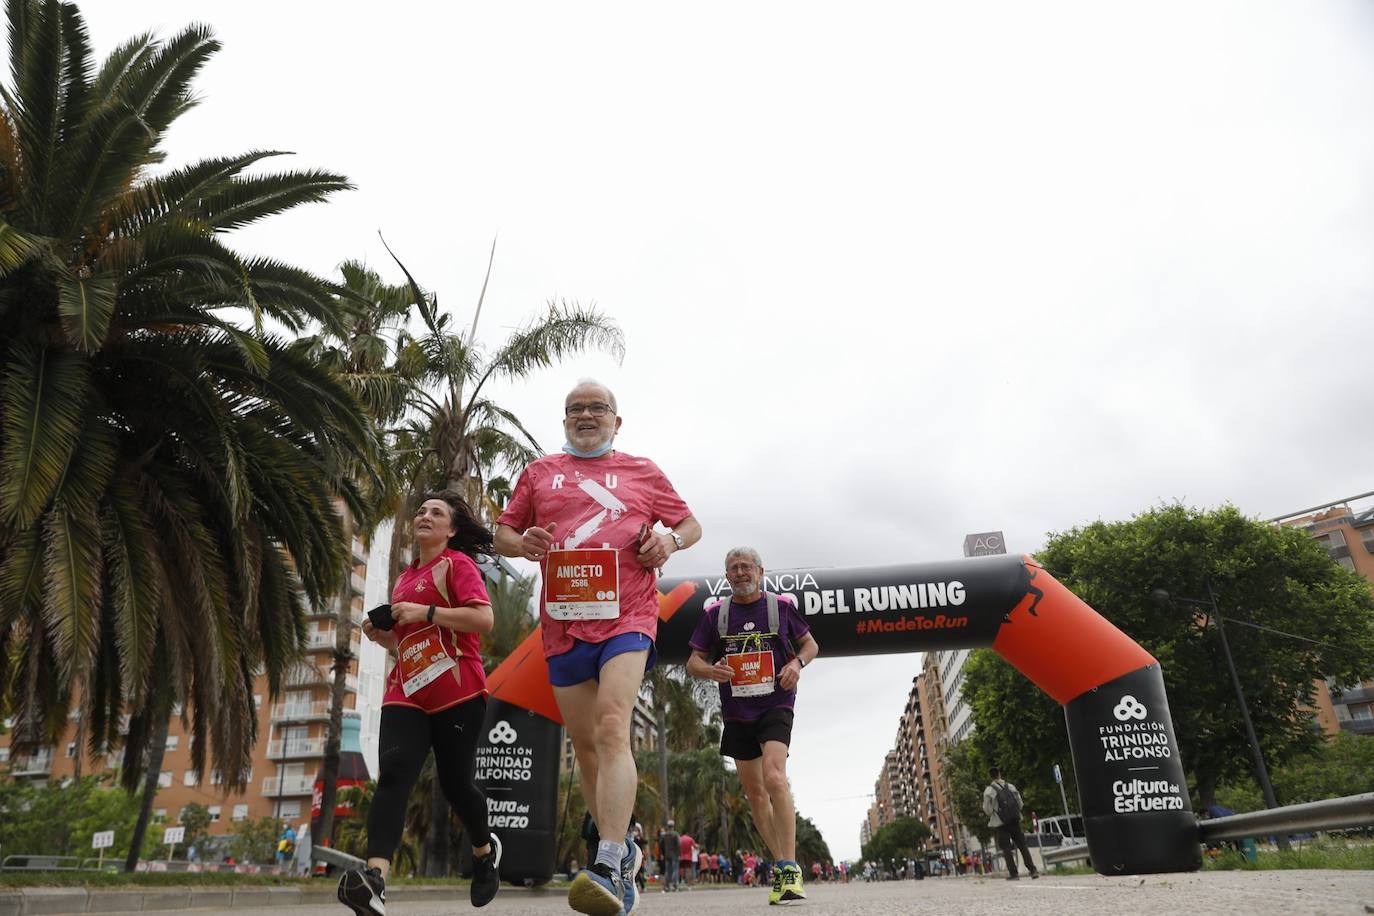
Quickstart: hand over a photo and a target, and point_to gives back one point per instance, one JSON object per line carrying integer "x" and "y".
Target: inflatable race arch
{"x": 1132, "y": 793}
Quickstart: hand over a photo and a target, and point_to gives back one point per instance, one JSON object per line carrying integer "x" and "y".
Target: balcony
{"x": 305, "y": 676}
{"x": 320, "y": 640}
{"x": 300, "y": 712}
{"x": 1360, "y": 726}
{"x": 359, "y": 584}
{"x": 287, "y": 748}
{"x": 35, "y": 765}
{"x": 288, "y": 785}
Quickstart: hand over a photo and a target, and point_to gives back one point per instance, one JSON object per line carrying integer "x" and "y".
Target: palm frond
{"x": 243, "y": 201}
{"x": 127, "y": 58}
{"x": 36, "y": 53}
{"x": 17, "y": 248}
{"x": 85, "y": 306}
{"x": 157, "y": 85}
{"x": 564, "y": 330}
{"x": 21, "y": 575}
{"x": 98, "y": 163}
{"x": 71, "y": 599}
{"x": 44, "y": 391}
{"x": 134, "y": 593}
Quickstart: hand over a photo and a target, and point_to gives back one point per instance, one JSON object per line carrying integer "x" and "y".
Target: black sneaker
{"x": 485, "y": 878}
{"x": 363, "y": 891}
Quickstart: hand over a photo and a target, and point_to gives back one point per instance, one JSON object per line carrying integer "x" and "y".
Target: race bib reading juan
{"x": 582, "y": 584}
{"x": 753, "y": 675}
{"x": 422, "y": 659}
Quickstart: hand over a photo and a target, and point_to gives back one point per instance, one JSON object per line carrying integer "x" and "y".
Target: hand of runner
{"x": 536, "y": 541}
{"x": 790, "y": 674}
{"x": 384, "y": 638}
{"x": 720, "y": 672}
{"x": 655, "y": 550}
{"x": 409, "y": 612}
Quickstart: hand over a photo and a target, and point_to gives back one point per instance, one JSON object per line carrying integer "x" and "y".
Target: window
{"x": 1363, "y": 713}
{"x": 189, "y": 778}
{"x": 290, "y": 810}
{"x": 172, "y": 742}
{"x": 159, "y": 815}
{"x": 71, "y": 749}
{"x": 216, "y": 777}
{"x": 164, "y": 779}
{"x": 214, "y": 814}
{"x": 1346, "y": 562}
{"x": 240, "y": 812}
{"x": 4, "y": 755}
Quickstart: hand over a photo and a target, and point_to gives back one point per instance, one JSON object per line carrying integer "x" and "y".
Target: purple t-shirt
{"x": 750, "y": 623}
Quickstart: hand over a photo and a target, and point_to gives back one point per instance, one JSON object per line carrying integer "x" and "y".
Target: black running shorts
{"x": 744, "y": 740}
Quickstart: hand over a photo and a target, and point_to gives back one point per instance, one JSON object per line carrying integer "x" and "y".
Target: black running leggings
{"x": 407, "y": 734}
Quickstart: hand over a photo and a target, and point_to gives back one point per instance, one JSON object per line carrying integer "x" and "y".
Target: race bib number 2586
{"x": 582, "y": 584}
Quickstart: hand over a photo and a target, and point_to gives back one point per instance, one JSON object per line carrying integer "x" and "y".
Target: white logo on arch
{"x": 1129, "y": 708}
{"x": 501, "y": 733}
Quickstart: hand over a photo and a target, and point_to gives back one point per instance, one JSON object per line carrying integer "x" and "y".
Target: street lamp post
{"x": 1261, "y": 771}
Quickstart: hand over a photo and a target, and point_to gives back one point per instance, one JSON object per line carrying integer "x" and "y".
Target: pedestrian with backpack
{"x": 1002, "y": 805}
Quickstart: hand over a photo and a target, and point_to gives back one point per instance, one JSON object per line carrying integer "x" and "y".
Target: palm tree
{"x": 677, "y": 719}
{"x": 459, "y": 439}
{"x": 363, "y": 356}
{"x": 167, "y": 477}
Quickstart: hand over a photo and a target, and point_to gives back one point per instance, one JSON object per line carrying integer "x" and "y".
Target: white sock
{"x": 609, "y": 854}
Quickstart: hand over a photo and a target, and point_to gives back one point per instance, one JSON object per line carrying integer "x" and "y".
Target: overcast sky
{"x": 888, "y": 273}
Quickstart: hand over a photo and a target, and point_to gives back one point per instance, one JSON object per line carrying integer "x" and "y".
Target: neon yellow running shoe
{"x": 775, "y": 895}
{"x": 790, "y": 887}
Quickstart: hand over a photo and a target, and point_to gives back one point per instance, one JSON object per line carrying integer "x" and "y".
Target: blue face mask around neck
{"x": 594, "y": 453}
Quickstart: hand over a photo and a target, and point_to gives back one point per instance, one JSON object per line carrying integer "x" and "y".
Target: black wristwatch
{"x": 430, "y": 616}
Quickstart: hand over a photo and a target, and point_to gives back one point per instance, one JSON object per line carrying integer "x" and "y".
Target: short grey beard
{"x": 744, "y": 591}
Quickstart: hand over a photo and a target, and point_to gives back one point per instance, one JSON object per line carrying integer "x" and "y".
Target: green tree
{"x": 1002, "y": 699}
{"x": 167, "y": 477}
{"x": 1292, "y": 614}
{"x": 363, "y": 355}
{"x": 811, "y": 846}
{"x": 966, "y": 765}
{"x": 513, "y": 619}
{"x": 896, "y": 842}
{"x": 255, "y": 843}
{"x": 195, "y": 817}
{"x": 1340, "y": 766}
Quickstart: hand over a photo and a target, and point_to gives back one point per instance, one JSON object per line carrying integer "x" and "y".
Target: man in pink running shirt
{"x": 587, "y": 516}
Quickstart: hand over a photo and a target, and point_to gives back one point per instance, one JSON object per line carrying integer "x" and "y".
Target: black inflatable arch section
{"x": 1132, "y": 792}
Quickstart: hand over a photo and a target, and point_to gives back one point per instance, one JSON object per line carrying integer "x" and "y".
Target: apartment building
{"x": 1348, "y": 536}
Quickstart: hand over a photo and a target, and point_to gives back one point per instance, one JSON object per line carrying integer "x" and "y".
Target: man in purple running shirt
{"x": 754, "y": 644}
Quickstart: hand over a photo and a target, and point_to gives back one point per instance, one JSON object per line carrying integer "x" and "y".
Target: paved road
{"x": 1287, "y": 892}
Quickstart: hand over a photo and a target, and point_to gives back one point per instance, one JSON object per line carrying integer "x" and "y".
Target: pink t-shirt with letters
{"x": 596, "y": 503}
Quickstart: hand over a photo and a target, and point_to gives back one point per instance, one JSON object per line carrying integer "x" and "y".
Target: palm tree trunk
{"x": 343, "y": 654}
{"x": 663, "y": 797}
{"x": 157, "y": 745}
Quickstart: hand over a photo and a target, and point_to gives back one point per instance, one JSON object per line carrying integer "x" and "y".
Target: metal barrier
{"x": 1075, "y": 853}
{"x": 1351, "y": 811}
{"x": 334, "y": 857}
{"x": 22, "y": 862}
{"x": 1329, "y": 814}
